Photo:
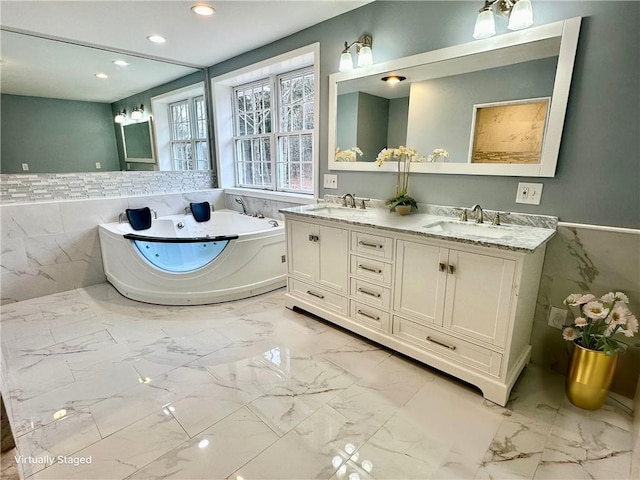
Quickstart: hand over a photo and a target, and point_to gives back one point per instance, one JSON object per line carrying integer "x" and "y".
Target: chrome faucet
{"x": 344, "y": 200}
{"x": 478, "y": 211}
{"x": 122, "y": 218}
{"x": 244, "y": 206}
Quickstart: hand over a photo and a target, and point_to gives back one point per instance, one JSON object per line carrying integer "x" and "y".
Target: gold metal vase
{"x": 590, "y": 376}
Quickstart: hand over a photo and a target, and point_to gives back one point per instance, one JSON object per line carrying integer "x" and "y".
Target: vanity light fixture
{"x": 156, "y": 39}
{"x": 363, "y": 50}
{"x": 519, "y": 12}
{"x": 136, "y": 114}
{"x": 393, "y": 79}
{"x": 120, "y": 63}
{"x": 203, "y": 9}
{"x": 120, "y": 117}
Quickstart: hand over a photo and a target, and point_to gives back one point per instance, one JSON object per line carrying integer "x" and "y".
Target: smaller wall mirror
{"x": 138, "y": 142}
{"x": 497, "y": 105}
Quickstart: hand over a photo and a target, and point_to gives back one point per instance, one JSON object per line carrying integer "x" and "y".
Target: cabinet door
{"x": 420, "y": 281}
{"x": 303, "y": 252}
{"x": 478, "y": 299}
{"x": 333, "y": 267}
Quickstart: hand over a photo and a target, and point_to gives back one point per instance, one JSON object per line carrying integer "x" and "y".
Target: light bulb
{"x": 521, "y": 15}
{"x": 365, "y": 56}
{"x": 485, "y": 25}
{"x": 346, "y": 62}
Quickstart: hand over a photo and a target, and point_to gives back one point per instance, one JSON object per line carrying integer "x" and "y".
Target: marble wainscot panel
{"x": 257, "y": 205}
{"x": 51, "y": 247}
{"x": 587, "y": 260}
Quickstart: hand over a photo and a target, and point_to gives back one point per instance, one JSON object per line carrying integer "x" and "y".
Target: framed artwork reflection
{"x": 509, "y": 132}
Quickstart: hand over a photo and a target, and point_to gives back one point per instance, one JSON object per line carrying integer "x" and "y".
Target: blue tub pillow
{"x": 139, "y": 218}
{"x": 201, "y": 211}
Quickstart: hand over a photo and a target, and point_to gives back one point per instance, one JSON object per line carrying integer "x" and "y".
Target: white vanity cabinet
{"x": 318, "y": 263}
{"x": 466, "y": 293}
{"x": 462, "y": 308}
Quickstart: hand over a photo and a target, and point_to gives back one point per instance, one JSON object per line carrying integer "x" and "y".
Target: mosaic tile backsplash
{"x": 21, "y": 188}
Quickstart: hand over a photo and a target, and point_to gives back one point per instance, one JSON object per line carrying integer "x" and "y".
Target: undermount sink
{"x": 337, "y": 211}
{"x": 474, "y": 229}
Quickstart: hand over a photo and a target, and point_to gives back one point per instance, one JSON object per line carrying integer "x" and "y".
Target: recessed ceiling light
{"x": 121, "y": 63}
{"x": 202, "y": 9}
{"x": 156, "y": 39}
{"x": 101, "y": 75}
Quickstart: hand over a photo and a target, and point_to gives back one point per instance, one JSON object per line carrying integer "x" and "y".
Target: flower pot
{"x": 590, "y": 376}
{"x": 403, "y": 209}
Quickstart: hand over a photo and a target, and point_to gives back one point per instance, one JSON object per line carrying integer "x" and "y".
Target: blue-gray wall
{"x": 598, "y": 169}
{"x": 56, "y": 136}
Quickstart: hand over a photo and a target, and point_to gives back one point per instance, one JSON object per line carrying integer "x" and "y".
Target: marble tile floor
{"x": 251, "y": 390}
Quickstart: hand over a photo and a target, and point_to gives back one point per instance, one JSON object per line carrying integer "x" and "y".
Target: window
{"x": 273, "y": 135}
{"x": 188, "y": 119}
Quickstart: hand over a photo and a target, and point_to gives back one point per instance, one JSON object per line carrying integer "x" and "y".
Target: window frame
{"x": 193, "y": 120}
{"x": 276, "y": 162}
{"x": 222, "y": 86}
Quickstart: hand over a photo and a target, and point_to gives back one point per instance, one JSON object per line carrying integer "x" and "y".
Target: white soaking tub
{"x": 179, "y": 261}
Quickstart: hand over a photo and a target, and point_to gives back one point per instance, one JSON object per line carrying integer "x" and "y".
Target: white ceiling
{"x": 40, "y": 67}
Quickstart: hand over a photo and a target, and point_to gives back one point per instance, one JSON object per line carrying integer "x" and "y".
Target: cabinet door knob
{"x": 452, "y": 269}
{"x": 442, "y": 267}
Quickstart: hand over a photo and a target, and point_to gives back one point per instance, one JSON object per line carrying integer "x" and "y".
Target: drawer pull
{"x": 442, "y": 344}
{"x": 370, "y": 269}
{"x": 369, "y": 244}
{"x": 367, "y": 292}
{"x": 452, "y": 269}
{"x": 442, "y": 267}
{"x": 368, "y": 315}
{"x": 315, "y": 294}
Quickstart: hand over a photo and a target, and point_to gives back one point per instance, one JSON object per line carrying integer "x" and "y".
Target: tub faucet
{"x": 345, "y": 203}
{"x": 244, "y": 206}
{"x": 478, "y": 211}
{"x": 122, "y": 218}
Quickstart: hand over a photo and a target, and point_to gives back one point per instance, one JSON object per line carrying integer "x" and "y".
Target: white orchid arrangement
{"x": 348, "y": 155}
{"x": 600, "y": 319}
{"x": 403, "y": 157}
{"x": 437, "y": 153}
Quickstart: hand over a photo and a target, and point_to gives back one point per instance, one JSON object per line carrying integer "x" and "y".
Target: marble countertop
{"x": 525, "y": 233}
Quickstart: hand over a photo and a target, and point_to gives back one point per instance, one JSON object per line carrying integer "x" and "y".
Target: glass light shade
{"x": 365, "y": 56}
{"x": 136, "y": 114}
{"x": 346, "y": 62}
{"x": 119, "y": 118}
{"x": 485, "y": 25}
{"x": 521, "y": 15}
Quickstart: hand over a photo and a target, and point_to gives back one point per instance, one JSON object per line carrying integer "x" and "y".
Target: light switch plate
{"x": 25, "y": 167}
{"x": 98, "y": 166}
{"x": 330, "y": 181}
{"x": 530, "y": 193}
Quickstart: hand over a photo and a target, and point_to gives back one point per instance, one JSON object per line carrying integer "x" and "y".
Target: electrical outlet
{"x": 98, "y": 166}
{"x": 557, "y": 317}
{"x": 25, "y": 167}
{"x": 330, "y": 181}
{"x": 530, "y": 193}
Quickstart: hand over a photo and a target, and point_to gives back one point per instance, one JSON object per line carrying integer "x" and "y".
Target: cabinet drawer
{"x": 444, "y": 345}
{"x": 370, "y": 244}
{"x": 318, "y": 295}
{"x": 370, "y": 316}
{"x": 371, "y": 269}
{"x": 370, "y": 293}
